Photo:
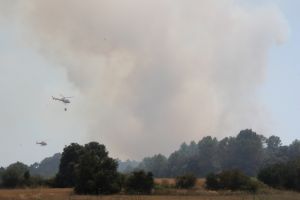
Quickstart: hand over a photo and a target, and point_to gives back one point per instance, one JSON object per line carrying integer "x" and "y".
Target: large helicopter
{"x": 42, "y": 143}
{"x": 63, "y": 99}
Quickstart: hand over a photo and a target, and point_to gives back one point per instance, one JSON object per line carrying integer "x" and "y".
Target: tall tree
{"x": 96, "y": 173}
{"x": 294, "y": 150}
{"x": 207, "y": 156}
{"x": 68, "y": 162}
{"x": 247, "y": 152}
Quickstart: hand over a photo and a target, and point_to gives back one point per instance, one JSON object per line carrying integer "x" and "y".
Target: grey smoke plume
{"x": 153, "y": 74}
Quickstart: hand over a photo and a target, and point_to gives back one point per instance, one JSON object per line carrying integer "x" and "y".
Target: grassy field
{"x": 67, "y": 194}
{"x": 198, "y": 193}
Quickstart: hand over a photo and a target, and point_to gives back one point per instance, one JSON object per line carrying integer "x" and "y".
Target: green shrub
{"x": 186, "y": 181}
{"x": 212, "y": 182}
{"x": 282, "y": 175}
{"x": 139, "y": 182}
{"x": 231, "y": 180}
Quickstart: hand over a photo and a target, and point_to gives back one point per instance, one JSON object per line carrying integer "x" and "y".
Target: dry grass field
{"x": 199, "y": 193}
{"x": 171, "y": 181}
{"x": 67, "y": 194}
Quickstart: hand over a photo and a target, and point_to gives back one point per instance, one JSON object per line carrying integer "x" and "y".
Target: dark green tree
{"x": 207, "y": 156}
{"x": 68, "y": 162}
{"x": 247, "y": 152}
{"x": 183, "y": 161}
{"x": 282, "y": 175}
{"x": 14, "y": 175}
{"x": 96, "y": 173}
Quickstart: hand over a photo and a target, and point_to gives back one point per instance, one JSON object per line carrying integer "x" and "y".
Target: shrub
{"x": 212, "y": 182}
{"x": 186, "y": 181}
{"x": 231, "y": 180}
{"x": 282, "y": 175}
{"x": 139, "y": 182}
{"x": 273, "y": 175}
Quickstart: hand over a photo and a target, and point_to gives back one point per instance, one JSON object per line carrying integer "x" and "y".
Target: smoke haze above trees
{"x": 157, "y": 72}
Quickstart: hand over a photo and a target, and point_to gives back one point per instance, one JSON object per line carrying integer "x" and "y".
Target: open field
{"x": 171, "y": 181}
{"x": 67, "y": 194}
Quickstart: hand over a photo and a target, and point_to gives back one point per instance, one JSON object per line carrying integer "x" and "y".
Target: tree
{"x": 68, "y": 162}
{"x": 273, "y": 143}
{"x": 294, "y": 150}
{"x": 139, "y": 182}
{"x": 156, "y": 164}
{"x": 184, "y": 160}
{"x": 96, "y": 173}
{"x": 282, "y": 175}
{"x": 207, "y": 156}
{"x": 14, "y": 175}
{"x": 247, "y": 152}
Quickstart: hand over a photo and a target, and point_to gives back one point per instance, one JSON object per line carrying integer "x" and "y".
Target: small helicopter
{"x": 63, "y": 99}
{"x": 42, "y": 143}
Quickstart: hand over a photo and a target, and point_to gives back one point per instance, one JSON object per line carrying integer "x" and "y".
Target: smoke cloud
{"x": 153, "y": 74}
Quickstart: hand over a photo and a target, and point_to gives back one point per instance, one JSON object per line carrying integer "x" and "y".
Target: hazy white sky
{"x": 145, "y": 76}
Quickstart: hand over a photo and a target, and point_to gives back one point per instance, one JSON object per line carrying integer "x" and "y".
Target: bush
{"x": 282, "y": 175}
{"x": 212, "y": 182}
{"x": 273, "y": 175}
{"x": 186, "y": 181}
{"x": 231, "y": 180}
{"x": 139, "y": 182}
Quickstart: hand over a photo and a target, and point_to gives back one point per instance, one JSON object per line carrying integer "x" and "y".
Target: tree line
{"x": 247, "y": 152}
{"x": 226, "y": 164}
{"x": 88, "y": 169}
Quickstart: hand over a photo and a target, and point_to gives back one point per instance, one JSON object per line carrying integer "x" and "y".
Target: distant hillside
{"x": 46, "y": 168}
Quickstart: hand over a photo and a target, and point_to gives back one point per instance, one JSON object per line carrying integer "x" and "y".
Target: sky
{"x": 145, "y": 76}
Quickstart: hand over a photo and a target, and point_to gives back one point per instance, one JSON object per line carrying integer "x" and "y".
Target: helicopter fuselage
{"x": 64, "y": 100}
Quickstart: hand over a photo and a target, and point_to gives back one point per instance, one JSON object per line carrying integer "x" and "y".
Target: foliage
{"x": 248, "y": 152}
{"x": 186, "y": 181}
{"x": 212, "y": 182}
{"x": 69, "y": 160}
{"x": 13, "y": 176}
{"x": 156, "y": 164}
{"x": 231, "y": 180}
{"x": 17, "y": 175}
{"x": 96, "y": 173}
{"x": 139, "y": 182}
{"x": 282, "y": 175}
